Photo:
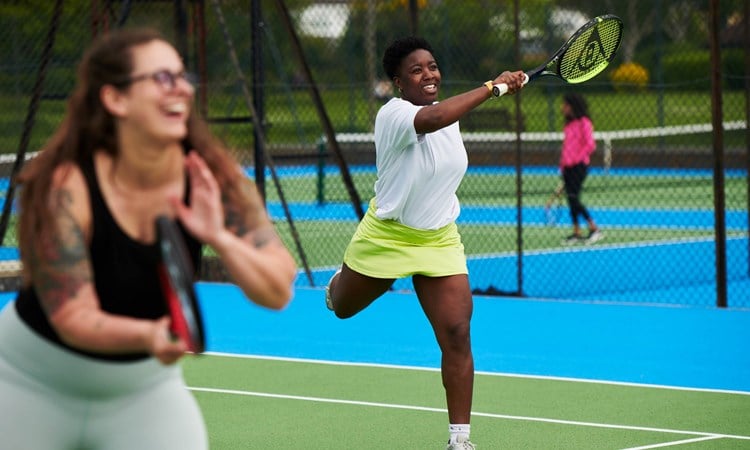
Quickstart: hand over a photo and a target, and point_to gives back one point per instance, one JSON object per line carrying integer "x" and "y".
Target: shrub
{"x": 691, "y": 69}
{"x": 629, "y": 76}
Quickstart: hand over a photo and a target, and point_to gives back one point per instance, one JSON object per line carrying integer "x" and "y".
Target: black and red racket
{"x": 176, "y": 276}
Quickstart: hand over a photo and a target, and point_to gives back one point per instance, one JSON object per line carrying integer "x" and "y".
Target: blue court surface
{"x": 692, "y": 347}
{"x": 685, "y": 347}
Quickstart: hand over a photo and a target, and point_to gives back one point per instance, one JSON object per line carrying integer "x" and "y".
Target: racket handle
{"x": 501, "y": 89}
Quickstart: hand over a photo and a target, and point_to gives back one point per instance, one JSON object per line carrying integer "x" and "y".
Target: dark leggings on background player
{"x": 574, "y": 178}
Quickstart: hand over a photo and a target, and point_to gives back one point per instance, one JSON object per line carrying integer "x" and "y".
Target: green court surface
{"x": 253, "y": 402}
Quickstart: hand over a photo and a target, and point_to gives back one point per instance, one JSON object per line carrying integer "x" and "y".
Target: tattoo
{"x": 245, "y": 213}
{"x": 264, "y": 236}
{"x": 60, "y": 264}
{"x": 233, "y": 219}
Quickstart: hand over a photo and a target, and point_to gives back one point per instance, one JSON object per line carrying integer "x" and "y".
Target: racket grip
{"x": 501, "y": 89}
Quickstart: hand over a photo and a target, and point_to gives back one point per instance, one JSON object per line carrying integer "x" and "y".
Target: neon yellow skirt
{"x": 388, "y": 249}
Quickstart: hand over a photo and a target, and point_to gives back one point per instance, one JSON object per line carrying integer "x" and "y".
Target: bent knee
{"x": 455, "y": 336}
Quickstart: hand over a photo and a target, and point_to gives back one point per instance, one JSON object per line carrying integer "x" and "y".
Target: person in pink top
{"x": 575, "y": 158}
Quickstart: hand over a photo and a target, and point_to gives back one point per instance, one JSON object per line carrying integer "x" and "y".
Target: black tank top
{"x": 125, "y": 274}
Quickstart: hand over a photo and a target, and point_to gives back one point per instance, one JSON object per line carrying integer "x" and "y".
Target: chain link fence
{"x": 293, "y": 87}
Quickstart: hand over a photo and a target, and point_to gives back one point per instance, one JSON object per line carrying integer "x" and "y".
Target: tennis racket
{"x": 553, "y": 209}
{"x": 176, "y": 277}
{"x": 583, "y": 56}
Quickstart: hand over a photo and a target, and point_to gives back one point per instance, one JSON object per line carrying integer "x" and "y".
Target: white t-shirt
{"x": 418, "y": 174}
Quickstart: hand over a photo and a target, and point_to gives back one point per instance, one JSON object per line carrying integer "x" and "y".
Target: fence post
{"x": 718, "y": 147}
{"x": 321, "y": 181}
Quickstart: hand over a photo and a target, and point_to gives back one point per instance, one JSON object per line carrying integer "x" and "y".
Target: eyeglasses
{"x": 164, "y": 78}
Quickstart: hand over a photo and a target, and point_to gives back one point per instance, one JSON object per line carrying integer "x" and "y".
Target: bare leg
{"x": 592, "y": 225}
{"x": 351, "y": 292}
{"x": 448, "y": 305}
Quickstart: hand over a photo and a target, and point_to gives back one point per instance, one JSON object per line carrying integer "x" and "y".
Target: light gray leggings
{"x": 53, "y": 399}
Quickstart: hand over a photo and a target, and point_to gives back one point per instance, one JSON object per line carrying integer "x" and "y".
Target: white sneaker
{"x": 594, "y": 236}
{"x": 463, "y": 445}
{"x": 573, "y": 239}
{"x": 329, "y": 300}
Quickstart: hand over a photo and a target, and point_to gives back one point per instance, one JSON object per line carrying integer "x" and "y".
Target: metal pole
{"x": 718, "y": 147}
{"x": 414, "y": 17}
{"x": 180, "y": 25}
{"x": 519, "y": 168}
{"x": 321, "y": 185}
{"x": 256, "y": 25}
{"x": 199, "y": 21}
{"x": 747, "y": 121}
{"x": 370, "y": 58}
{"x": 659, "y": 74}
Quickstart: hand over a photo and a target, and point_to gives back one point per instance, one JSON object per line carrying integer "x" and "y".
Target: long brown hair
{"x": 88, "y": 127}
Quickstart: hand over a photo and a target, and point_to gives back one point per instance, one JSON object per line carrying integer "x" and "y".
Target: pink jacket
{"x": 578, "y": 142}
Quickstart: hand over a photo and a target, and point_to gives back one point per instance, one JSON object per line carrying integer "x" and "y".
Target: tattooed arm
{"x": 63, "y": 278}
{"x": 242, "y": 236}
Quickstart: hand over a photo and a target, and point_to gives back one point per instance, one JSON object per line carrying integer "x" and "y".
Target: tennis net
{"x": 683, "y": 140}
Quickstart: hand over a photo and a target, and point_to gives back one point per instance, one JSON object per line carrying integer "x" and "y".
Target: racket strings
{"x": 591, "y": 51}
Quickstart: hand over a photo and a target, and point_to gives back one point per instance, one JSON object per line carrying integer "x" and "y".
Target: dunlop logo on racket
{"x": 583, "y": 56}
{"x": 593, "y": 52}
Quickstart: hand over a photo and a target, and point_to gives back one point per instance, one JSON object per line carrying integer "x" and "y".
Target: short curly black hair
{"x": 399, "y": 49}
{"x": 578, "y": 106}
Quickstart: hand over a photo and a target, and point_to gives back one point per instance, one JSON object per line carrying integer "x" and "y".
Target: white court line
{"x": 672, "y": 443}
{"x": 602, "y": 247}
{"x": 473, "y": 413}
{"x": 479, "y": 372}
